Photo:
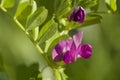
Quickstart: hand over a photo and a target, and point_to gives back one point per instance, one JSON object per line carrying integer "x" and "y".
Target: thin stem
{"x": 28, "y": 35}
{"x": 19, "y": 25}
{"x": 2, "y": 8}
{"x": 23, "y": 29}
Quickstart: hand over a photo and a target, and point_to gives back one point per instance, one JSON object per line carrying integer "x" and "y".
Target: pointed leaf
{"x": 57, "y": 75}
{"x": 48, "y": 5}
{"x": 61, "y": 4}
{"x": 64, "y": 76}
{"x": 7, "y": 3}
{"x": 38, "y": 17}
{"x": 87, "y": 3}
{"x": 23, "y": 11}
{"x": 61, "y": 7}
{"x": 60, "y": 75}
{"x": 43, "y": 46}
{"x": 92, "y": 19}
{"x": 95, "y": 7}
{"x": 47, "y": 31}
{"x": 35, "y": 33}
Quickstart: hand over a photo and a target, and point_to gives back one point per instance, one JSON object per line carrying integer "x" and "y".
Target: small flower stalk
{"x": 72, "y": 49}
{"x": 78, "y": 15}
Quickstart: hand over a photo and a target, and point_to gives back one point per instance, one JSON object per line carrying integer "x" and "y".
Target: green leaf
{"x": 37, "y": 18}
{"x": 7, "y": 3}
{"x": 49, "y": 41}
{"x": 93, "y": 16}
{"x": 60, "y": 75}
{"x": 22, "y": 5}
{"x": 43, "y": 46}
{"x": 34, "y": 6}
{"x": 23, "y": 11}
{"x": 64, "y": 12}
{"x": 61, "y": 4}
{"x": 61, "y": 7}
{"x": 87, "y": 3}
{"x": 57, "y": 75}
{"x": 35, "y": 33}
{"x": 92, "y": 19}
{"x": 75, "y": 3}
{"x": 63, "y": 75}
{"x": 48, "y": 5}
{"x": 95, "y": 7}
{"x": 111, "y": 4}
{"x": 47, "y": 31}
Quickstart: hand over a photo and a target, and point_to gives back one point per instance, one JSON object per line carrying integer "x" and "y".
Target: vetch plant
{"x": 49, "y": 25}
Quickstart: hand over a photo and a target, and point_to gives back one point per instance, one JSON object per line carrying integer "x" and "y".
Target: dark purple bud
{"x": 86, "y": 51}
{"x": 78, "y": 15}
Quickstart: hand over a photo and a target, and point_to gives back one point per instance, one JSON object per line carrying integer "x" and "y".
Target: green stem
{"x": 28, "y": 35}
{"x": 24, "y": 30}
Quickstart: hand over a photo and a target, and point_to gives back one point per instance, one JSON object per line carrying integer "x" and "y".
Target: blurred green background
{"x": 105, "y": 62}
{"x": 19, "y": 60}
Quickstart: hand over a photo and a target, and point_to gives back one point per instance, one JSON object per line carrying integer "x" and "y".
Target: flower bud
{"x": 78, "y": 15}
{"x": 86, "y": 51}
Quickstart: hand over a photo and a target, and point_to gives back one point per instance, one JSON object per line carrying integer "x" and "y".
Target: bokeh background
{"x": 19, "y": 60}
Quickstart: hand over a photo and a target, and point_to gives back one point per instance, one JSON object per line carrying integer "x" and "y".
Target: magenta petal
{"x": 57, "y": 53}
{"x": 86, "y": 51}
{"x": 56, "y": 57}
{"x": 78, "y": 51}
{"x": 73, "y": 53}
{"x": 60, "y": 47}
{"x": 54, "y": 54}
{"x": 68, "y": 45}
{"x": 66, "y": 57}
{"x": 77, "y": 38}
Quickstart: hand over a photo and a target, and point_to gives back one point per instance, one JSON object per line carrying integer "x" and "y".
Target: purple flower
{"x": 86, "y": 51}
{"x": 78, "y": 15}
{"x": 71, "y": 49}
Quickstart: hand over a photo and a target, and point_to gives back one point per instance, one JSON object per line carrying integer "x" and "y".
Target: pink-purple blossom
{"x": 72, "y": 49}
{"x": 78, "y": 15}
